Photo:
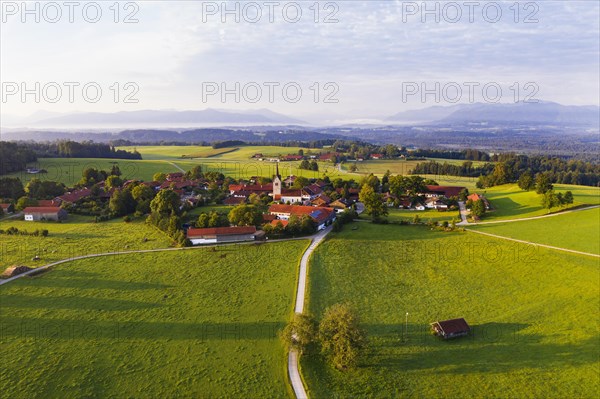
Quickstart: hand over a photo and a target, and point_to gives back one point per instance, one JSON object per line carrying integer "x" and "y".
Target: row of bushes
{"x": 13, "y": 231}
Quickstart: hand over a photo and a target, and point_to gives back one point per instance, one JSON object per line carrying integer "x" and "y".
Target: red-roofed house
{"x": 321, "y": 215}
{"x": 215, "y": 235}
{"x": 46, "y": 203}
{"x": 377, "y": 156}
{"x": 34, "y": 213}
{"x": 443, "y": 191}
{"x": 476, "y": 197}
{"x": 451, "y": 328}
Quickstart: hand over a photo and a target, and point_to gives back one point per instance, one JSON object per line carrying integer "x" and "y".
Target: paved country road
{"x": 293, "y": 371}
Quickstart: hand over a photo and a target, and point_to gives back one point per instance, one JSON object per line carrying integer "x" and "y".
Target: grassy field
{"x": 533, "y": 312}
{"x": 241, "y": 153}
{"x": 69, "y": 170}
{"x": 79, "y": 235}
{"x": 193, "y": 323}
{"x": 397, "y": 166}
{"x": 396, "y": 215}
{"x": 579, "y": 231}
{"x": 510, "y": 202}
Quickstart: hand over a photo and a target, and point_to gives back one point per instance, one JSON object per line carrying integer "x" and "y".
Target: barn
{"x": 34, "y": 213}
{"x": 453, "y": 328}
{"x": 215, "y": 235}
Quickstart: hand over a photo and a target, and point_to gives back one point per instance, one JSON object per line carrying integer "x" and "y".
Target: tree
{"x": 195, "y": 173}
{"x": 113, "y": 181}
{"x": 305, "y": 164}
{"x": 142, "y": 192}
{"x": 121, "y": 203}
{"x": 11, "y": 187}
{"x": 525, "y": 181}
{"x": 549, "y": 200}
{"x": 372, "y": 201}
{"x": 160, "y": 177}
{"x": 568, "y": 198}
{"x": 245, "y": 215}
{"x": 44, "y": 189}
{"x": 299, "y": 333}
{"x": 342, "y": 339}
{"x": 353, "y": 168}
{"x": 300, "y": 182}
{"x": 478, "y": 208}
{"x": 202, "y": 221}
{"x": 24, "y": 202}
{"x": 314, "y": 165}
{"x": 543, "y": 183}
{"x": 115, "y": 171}
{"x": 165, "y": 202}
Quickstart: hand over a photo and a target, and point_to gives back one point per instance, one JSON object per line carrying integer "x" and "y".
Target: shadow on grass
{"x": 491, "y": 347}
{"x": 71, "y": 278}
{"x": 12, "y": 328}
{"x": 71, "y": 302}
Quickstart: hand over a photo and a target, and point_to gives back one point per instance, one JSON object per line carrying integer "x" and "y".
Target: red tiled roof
{"x": 50, "y": 203}
{"x": 275, "y": 222}
{"x": 448, "y": 191}
{"x": 474, "y": 197}
{"x": 234, "y": 200}
{"x": 75, "y": 196}
{"x": 221, "y": 231}
{"x": 320, "y": 214}
{"x": 42, "y": 209}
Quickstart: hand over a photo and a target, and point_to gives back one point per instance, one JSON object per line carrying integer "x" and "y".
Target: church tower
{"x": 277, "y": 182}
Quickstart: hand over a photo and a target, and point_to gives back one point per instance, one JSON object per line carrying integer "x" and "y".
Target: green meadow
{"x": 397, "y": 215}
{"x": 510, "y": 202}
{"x": 532, "y": 310}
{"x": 578, "y": 230}
{"x": 194, "y": 323}
{"x": 69, "y": 170}
{"x": 76, "y": 236}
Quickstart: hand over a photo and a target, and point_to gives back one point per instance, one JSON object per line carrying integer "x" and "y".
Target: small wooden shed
{"x": 453, "y": 328}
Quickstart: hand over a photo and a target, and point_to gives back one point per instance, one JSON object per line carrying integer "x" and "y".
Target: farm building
{"x": 216, "y": 235}
{"x": 322, "y": 216}
{"x": 34, "y": 213}
{"x": 443, "y": 191}
{"x": 451, "y": 328}
{"x": 476, "y": 197}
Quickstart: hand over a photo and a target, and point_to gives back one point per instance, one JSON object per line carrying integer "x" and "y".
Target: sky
{"x": 338, "y": 60}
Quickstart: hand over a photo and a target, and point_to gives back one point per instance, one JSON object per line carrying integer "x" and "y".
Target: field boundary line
{"x": 534, "y": 243}
{"x": 565, "y": 212}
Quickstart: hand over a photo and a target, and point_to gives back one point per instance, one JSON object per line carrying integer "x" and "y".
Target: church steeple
{"x": 277, "y": 182}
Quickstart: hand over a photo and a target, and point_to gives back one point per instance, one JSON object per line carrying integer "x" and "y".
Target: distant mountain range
{"x": 546, "y": 113}
{"x": 540, "y": 113}
{"x": 151, "y": 118}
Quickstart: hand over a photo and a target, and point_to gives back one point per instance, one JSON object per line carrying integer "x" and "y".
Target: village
{"x": 312, "y": 204}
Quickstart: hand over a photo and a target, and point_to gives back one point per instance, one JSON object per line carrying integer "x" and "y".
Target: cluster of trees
{"x": 551, "y": 199}
{"x": 373, "y": 202}
{"x": 84, "y": 149}
{"x": 44, "y": 189}
{"x": 339, "y": 335}
{"x": 309, "y": 165}
{"x": 477, "y": 207}
{"x": 212, "y": 219}
{"x": 11, "y": 188}
{"x": 343, "y": 218}
{"x": 466, "y": 169}
{"x": 15, "y": 157}
{"x": 165, "y": 214}
{"x": 13, "y": 231}
{"x": 468, "y": 154}
{"x": 296, "y": 226}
